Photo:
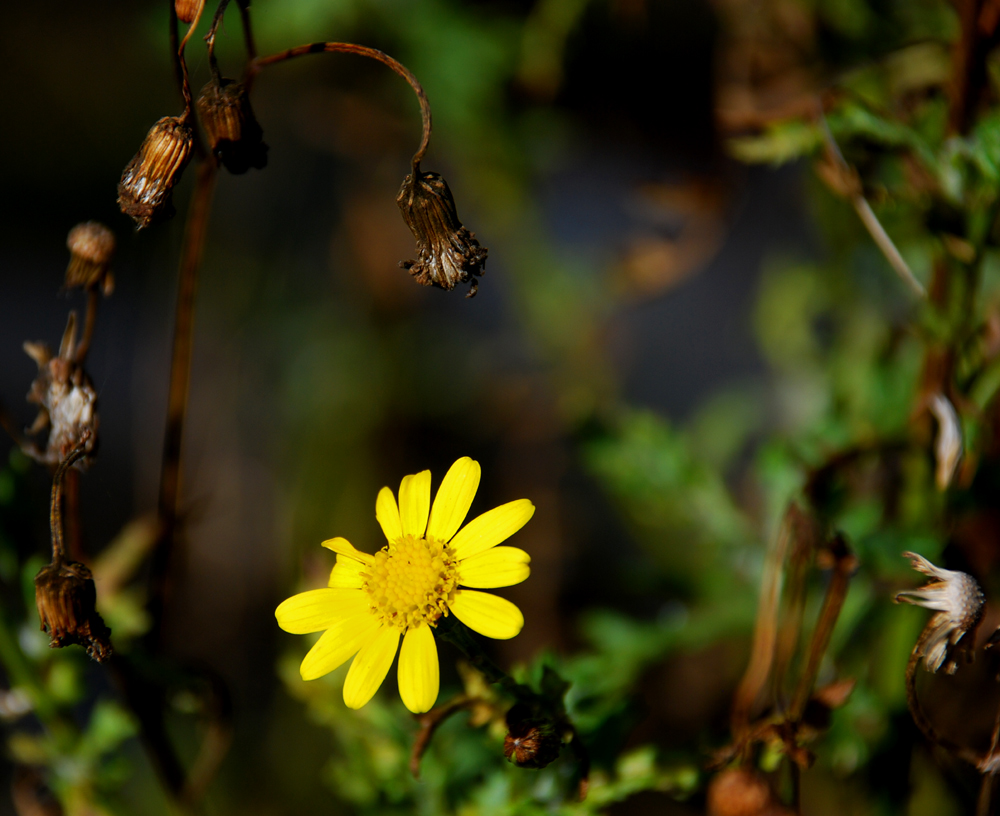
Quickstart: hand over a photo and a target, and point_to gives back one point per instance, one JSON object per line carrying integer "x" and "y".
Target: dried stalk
{"x": 220, "y": 13}
{"x": 429, "y": 723}
{"x": 764, "y": 635}
{"x": 844, "y": 565}
{"x": 868, "y": 217}
{"x": 180, "y": 381}
{"x": 361, "y": 50}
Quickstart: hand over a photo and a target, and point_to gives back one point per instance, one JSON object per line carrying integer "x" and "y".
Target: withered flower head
{"x": 66, "y": 400}
{"x": 92, "y": 248}
{"x": 531, "y": 742}
{"x": 66, "y": 598}
{"x": 958, "y": 602}
{"x": 233, "y": 133}
{"x": 144, "y": 191}
{"x": 448, "y": 253}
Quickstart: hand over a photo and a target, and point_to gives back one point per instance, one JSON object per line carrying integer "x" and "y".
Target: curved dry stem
{"x": 55, "y": 505}
{"x": 363, "y": 51}
{"x": 917, "y": 711}
{"x": 180, "y": 378}
{"x": 220, "y": 13}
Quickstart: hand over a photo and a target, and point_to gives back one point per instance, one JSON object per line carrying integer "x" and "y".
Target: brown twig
{"x": 364, "y": 51}
{"x": 220, "y": 13}
{"x": 867, "y": 215}
{"x": 844, "y": 564}
{"x": 429, "y": 723}
{"x": 180, "y": 380}
{"x": 55, "y": 504}
{"x": 917, "y": 711}
{"x": 765, "y": 633}
{"x": 93, "y": 299}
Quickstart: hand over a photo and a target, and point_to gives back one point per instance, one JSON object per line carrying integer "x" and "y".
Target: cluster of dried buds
{"x": 448, "y": 254}
{"x": 66, "y": 400}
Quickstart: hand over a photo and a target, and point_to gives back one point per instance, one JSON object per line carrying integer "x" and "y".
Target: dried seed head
{"x": 531, "y": 742}
{"x": 92, "y": 248}
{"x": 66, "y": 400}
{"x": 188, "y": 10}
{"x": 66, "y": 598}
{"x": 959, "y": 603}
{"x": 233, "y": 133}
{"x": 448, "y": 254}
{"x": 144, "y": 191}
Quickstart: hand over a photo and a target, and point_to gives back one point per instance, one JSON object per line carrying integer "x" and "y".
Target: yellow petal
{"x": 338, "y": 644}
{"x": 487, "y": 614}
{"x": 453, "y": 499}
{"x": 370, "y": 667}
{"x": 498, "y": 567}
{"x": 415, "y": 503}
{"x": 346, "y": 573}
{"x": 418, "y": 670}
{"x": 388, "y": 515}
{"x": 492, "y": 527}
{"x": 319, "y": 609}
{"x": 343, "y": 547}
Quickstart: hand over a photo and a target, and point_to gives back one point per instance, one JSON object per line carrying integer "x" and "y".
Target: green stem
{"x": 456, "y": 633}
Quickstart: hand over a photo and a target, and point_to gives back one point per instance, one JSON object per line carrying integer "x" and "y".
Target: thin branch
{"x": 843, "y": 567}
{"x": 55, "y": 505}
{"x": 429, "y": 723}
{"x": 868, "y": 217}
{"x": 364, "y": 51}
{"x": 765, "y": 632}
{"x": 180, "y": 380}
{"x": 93, "y": 299}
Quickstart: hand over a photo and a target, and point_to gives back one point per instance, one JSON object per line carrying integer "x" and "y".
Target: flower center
{"x": 411, "y": 581}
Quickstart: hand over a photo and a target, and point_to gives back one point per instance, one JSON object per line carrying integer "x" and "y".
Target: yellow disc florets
{"x": 411, "y": 581}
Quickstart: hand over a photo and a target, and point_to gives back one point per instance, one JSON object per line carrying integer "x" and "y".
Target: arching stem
{"x": 363, "y": 51}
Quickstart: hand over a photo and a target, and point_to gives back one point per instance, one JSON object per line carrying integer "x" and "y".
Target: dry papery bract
{"x": 448, "y": 254}
{"x": 66, "y": 400}
{"x": 233, "y": 133}
{"x": 92, "y": 248}
{"x": 144, "y": 189}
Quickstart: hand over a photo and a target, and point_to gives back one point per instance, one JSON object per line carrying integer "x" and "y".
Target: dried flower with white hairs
{"x": 958, "y": 601}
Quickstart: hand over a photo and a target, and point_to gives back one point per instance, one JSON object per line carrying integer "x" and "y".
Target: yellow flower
{"x": 402, "y": 590}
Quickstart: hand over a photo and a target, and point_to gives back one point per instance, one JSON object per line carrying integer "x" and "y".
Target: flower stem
{"x": 361, "y": 50}
{"x": 180, "y": 380}
{"x": 458, "y": 635}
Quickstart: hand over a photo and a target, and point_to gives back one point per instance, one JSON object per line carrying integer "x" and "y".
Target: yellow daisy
{"x": 428, "y": 568}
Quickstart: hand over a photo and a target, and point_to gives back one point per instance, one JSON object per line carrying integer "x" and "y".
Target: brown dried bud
{"x": 448, "y": 253}
{"x": 91, "y": 247}
{"x": 233, "y": 132}
{"x": 531, "y": 742}
{"x": 188, "y": 10}
{"x": 144, "y": 191}
{"x": 66, "y": 400}
{"x": 741, "y": 792}
{"x": 66, "y": 598}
